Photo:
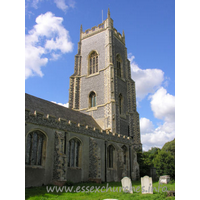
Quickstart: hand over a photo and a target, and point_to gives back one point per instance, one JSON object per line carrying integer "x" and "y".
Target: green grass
{"x": 40, "y": 193}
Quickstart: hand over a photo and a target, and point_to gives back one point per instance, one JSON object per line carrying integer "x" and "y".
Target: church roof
{"x": 33, "y": 103}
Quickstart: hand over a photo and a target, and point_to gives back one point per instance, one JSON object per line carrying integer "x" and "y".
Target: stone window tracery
{"x": 119, "y": 66}
{"x": 92, "y": 99}
{"x": 74, "y": 153}
{"x": 35, "y": 148}
{"x": 93, "y": 62}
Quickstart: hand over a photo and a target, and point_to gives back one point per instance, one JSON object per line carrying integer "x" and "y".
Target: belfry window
{"x": 35, "y": 148}
{"x": 74, "y": 153}
{"x": 119, "y": 70}
{"x": 92, "y": 99}
{"x": 93, "y": 64}
{"x": 110, "y": 156}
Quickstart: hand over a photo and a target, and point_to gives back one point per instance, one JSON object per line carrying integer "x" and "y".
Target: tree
{"x": 145, "y": 160}
{"x": 154, "y": 150}
{"x": 162, "y": 159}
{"x": 164, "y": 163}
{"x": 170, "y": 147}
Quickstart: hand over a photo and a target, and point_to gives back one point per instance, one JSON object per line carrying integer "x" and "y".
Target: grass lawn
{"x": 94, "y": 191}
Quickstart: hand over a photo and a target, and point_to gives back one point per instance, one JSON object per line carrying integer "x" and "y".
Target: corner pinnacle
{"x": 108, "y": 13}
{"x": 123, "y": 35}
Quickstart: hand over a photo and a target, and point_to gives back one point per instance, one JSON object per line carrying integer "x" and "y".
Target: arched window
{"x": 124, "y": 153}
{"x": 92, "y": 99}
{"x": 93, "y": 64}
{"x": 119, "y": 66}
{"x": 74, "y": 153}
{"x": 110, "y": 156}
{"x": 120, "y": 103}
{"x": 35, "y": 148}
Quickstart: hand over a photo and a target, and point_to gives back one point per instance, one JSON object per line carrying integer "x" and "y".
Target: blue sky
{"x": 149, "y": 27}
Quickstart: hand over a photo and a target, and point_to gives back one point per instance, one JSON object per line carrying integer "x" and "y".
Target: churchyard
{"x": 94, "y": 191}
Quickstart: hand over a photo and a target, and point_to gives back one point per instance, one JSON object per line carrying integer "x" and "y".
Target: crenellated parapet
{"x": 50, "y": 121}
{"x": 106, "y": 24}
{"x": 101, "y": 27}
{"x": 119, "y": 36}
{"x": 93, "y": 30}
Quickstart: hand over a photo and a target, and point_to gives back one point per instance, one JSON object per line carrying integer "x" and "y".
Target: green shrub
{"x": 172, "y": 181}
{"x": 164, "y": 163}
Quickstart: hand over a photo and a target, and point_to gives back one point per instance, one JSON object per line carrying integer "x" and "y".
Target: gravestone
{"x": 127, "y": 185}
{"x": 146, "y": 184}
{"x": 164, "y": 179}
{"x": 171, "y": 193}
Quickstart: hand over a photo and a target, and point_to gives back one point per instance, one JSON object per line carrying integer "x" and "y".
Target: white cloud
{"x": 48, "y": 40}
{"x": 62, "y": 4}
{"x": 55, "y": 56}
{"x": 61, "y": 104}
{"x": 146, "y": 126}
{"x": 32, "y": 3}
{"x": 163, "y": 105}
{"x": 149, "y": 81}
{"x": 34, "y": 61}
{"x": 146, "y": 80}
{"x": 156, "y": 137}
{"x": 35, "y": 3}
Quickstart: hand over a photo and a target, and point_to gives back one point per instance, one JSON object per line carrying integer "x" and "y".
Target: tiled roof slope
{"x": 34, "y": 103}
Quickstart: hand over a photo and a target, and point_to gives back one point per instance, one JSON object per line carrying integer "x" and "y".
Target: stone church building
{"x": 97, "y": 137}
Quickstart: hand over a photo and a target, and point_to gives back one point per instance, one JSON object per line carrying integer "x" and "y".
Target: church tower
{"x": 101, "y": 85}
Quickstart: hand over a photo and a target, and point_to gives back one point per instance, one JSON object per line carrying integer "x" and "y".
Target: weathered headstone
{"x": 171, "y": 193}
{"x": 146, "y": 184}
{"x": 127, "y": 185}
{"x": 164, "y": 179}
